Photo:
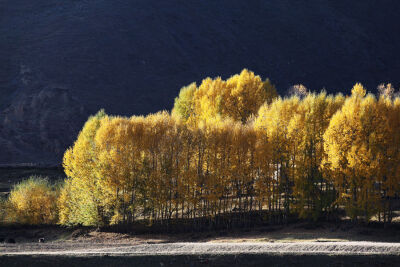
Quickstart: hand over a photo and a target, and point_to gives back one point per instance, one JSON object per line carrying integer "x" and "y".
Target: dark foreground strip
{"x": 206, "y": 260}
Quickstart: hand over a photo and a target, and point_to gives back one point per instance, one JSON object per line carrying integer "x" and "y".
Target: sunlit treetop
{"x": 238, "y": 97}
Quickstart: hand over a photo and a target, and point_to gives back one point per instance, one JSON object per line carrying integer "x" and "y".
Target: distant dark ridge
{"x": 30, "y": 166}
{"x": 63, "y": 60}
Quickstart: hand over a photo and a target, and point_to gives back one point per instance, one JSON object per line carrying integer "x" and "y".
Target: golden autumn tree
{"x": 312, "y": 191}
{"x": 264, "y": 182}
{"x": 238, "y": 97}
{"x": 79, "y": 201}
{"x": 219, "y": 142}
{"x": 184, "y": 105}
{"x": 385, "y": 144}
{"x": 281, "y": 125}
{"x": 245, "y": 94}
{"x": 208, "y": 99}
{"x": 349, "y": 143}
{"x": 117, "y": 168}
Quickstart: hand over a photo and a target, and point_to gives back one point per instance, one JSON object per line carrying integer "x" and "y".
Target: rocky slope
{"x": 63, "y": 60}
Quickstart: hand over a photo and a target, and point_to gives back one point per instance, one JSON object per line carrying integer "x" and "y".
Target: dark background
{"x": 62, "y": 60}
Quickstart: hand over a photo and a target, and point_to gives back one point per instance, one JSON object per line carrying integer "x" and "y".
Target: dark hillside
{"x": 63, "y": 60}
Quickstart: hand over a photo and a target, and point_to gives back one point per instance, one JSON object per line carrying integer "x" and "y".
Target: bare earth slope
{"x": 63, "y": 60}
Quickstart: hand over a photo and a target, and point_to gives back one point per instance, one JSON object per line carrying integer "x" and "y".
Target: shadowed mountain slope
{"x": 61, "y": 60}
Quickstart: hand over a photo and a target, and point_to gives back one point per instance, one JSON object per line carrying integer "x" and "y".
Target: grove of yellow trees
{"x": 362, "y": 147}
{"x": 234, "y": 150}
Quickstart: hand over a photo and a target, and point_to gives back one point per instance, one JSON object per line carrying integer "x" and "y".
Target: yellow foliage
{"x": 238, "y": 97}
{"x": 358, "y": 143}
{"x": 33, "y": 201}
{"x": 235, "y": 146}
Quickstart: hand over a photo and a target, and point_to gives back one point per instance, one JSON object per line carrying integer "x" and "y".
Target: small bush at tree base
{"x": 33, "y": 201}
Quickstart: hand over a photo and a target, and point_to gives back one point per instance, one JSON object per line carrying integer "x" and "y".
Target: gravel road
{"x": 198, "y": 248}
